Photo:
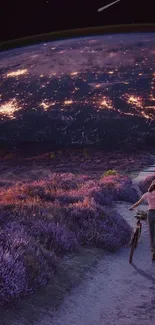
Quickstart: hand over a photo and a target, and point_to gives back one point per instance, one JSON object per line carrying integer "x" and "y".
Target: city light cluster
{"x": 17, "y": 73}
{"x": 9, "y": 108}
{"x": 99, "y": 88}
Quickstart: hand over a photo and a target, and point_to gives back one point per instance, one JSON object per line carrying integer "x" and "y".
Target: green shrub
{"x": 110, "y": 172}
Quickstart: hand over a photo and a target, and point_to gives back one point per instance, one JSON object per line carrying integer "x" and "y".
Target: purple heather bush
{"x": 119, "y": 188}
{"x": 102, "y": 196}
{"x": 5, "y": 184}
{"x": 92, "y": 225}
{"x": 25, "y": 265}
{"x": 44, "y": 219}
{"x": 145, "y": 183}
{"x": 65, "y": 181}
{"x": 54, "y": 236}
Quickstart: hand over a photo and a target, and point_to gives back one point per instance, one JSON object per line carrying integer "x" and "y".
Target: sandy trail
{"x": 116, "y": 293}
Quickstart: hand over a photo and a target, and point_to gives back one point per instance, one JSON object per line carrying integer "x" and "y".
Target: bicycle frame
{"x": 137, "y": 233}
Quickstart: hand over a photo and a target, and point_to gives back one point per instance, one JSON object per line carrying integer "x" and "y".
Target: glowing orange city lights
{"x": 68, "y": 102}
{"x": 17, "y": 73}
{"x": 9, "y": 108}
{"x": 46, "y": 104}
{"x": 74, "y": 73}
{"x": 106, "y": 103}
{"x": 135, "y": 100}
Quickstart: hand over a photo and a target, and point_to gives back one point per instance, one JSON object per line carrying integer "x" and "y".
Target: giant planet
{"x": 88, "y": 91}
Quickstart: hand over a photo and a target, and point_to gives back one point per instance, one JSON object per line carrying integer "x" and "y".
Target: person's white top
{"x": 150, "y": 197}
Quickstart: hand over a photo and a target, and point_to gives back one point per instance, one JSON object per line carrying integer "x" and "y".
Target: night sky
{"x": 25, "y": 18}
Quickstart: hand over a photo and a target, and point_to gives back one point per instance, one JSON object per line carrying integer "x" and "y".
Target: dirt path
{"x": 117, "y": 293}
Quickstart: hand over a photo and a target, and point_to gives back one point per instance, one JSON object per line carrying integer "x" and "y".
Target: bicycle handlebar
{"x": 141, "y": 215}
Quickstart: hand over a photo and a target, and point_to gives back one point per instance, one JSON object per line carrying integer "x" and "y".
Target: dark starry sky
{"x": 24, "y": 18}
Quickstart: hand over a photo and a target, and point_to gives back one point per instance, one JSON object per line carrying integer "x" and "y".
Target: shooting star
{"x": 107, "y": 6}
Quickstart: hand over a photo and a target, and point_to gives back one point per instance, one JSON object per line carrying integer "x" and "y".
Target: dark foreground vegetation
{"x": 45, "y": 214}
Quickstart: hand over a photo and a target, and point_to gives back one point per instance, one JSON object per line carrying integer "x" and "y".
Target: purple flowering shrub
{"x": 44, "y": 219}
{"x": 54, "y": 236}
{"x": 25, "y": 265}
{"x": 64, "y": 181}
{"x": 67, "y": 199}
{"x": 119, "y": 188}
{"x": 145, "y": 183}
{"x": 102, "y": 196}
{"x": 92, "y": 225}
{"x": 5, "y": 184}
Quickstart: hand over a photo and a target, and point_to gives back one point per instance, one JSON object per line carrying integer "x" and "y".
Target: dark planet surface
{"x": 83, "y": 91}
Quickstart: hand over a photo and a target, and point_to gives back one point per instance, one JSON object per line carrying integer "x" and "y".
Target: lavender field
{"x": 49, "y": 208}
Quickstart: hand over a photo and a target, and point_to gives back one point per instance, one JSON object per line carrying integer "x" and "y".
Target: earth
{"x": 83, "y": 91}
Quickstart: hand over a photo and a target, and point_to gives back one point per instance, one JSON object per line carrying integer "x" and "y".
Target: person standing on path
{"x": 150, "y": 197}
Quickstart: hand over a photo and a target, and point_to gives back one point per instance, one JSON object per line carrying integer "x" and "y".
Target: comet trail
{"x": 107, "y": 6}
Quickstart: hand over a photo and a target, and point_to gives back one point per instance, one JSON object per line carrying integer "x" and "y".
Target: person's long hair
{"x": 152, "y": 187}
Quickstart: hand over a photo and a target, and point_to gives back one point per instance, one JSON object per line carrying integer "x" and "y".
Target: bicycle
{"x": 140, "y": 216}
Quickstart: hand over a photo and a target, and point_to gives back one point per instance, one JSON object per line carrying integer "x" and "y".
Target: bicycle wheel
{"x": 133, "y": 245}
{"x": 139, "y": 230}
